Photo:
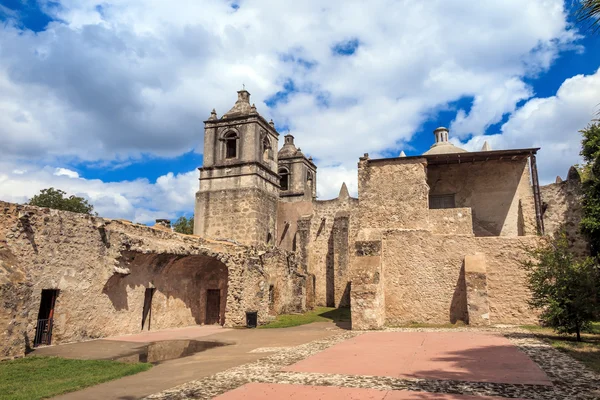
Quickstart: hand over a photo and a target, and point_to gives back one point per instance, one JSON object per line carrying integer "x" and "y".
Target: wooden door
{"x": 213, "y": 306}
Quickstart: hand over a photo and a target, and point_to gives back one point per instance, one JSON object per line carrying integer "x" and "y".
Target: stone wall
{"x": 102, "y": 269}
{"x": 499, "y": 194}
{"x": 420, "y": 269}
{"x": 425, "y": 277}
{"x": 244, "y": 215}
{"x": 562, "y": 205}
{"x": 451, "y": 220}
{"x": 393, "y": 194}
{"x": 330, "y": 232}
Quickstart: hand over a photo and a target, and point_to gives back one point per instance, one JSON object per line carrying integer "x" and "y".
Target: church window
{"x": 230, "y": 145}
{"x": 309, "y": 176}
{"x": 284, "y": 178}
{"x": 266, "y": 149}
{"x": 437, "y": 201}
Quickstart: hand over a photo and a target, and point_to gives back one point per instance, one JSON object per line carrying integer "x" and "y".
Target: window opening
{"x": 284, "y": 180}
{"x": 438, "y": 201}
{"x": 230, "y": 145}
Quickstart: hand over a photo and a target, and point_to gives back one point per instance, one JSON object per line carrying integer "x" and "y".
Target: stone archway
{"x": 184, "y": 289}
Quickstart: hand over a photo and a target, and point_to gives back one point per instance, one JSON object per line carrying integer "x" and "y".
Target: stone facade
{"x": 103, "y": 271}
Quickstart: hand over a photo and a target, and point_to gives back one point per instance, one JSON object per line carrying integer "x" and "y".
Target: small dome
{"x": 442, "y": 145}
{"x": 289, "y": 148}
{"x": 447, "y": 148}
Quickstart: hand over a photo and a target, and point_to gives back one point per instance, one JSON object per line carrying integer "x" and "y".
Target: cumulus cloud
{"x": 139, "y": 200}
{"x": 552, "y": 123}
{"x": 114, "y": 82}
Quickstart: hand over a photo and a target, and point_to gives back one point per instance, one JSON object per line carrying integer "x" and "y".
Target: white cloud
{"x": 138, "y": 200}
{"x": 66, "y": 172}
{"x": 137, "y": 77}
{"x": 552, "y": 123}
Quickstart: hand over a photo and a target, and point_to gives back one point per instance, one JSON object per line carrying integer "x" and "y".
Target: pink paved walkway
{"x": 189, "y": 332}
{"x": 465, "y": 356}
{"x": 255, "y": 391}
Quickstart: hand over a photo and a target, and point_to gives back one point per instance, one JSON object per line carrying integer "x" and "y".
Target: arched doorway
{"x": 168, "y": 290}
{"x": 203, "y": 281}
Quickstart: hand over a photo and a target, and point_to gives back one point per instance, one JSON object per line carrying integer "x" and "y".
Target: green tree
{"x": 563, "y": 288}
{"x": 590, "y": 222}
{"x": 587, "y": 12}
{"x": 56, "y": 198}
{"x": 184, "y": 225}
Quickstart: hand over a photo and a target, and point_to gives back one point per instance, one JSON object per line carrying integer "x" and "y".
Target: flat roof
{"x": 475, "y": 156}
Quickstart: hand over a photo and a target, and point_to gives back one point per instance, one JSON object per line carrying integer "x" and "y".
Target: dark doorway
{"x": 45, "y": 321}
{"x": 147, "y": 312}
{"x": 213, "y": 306}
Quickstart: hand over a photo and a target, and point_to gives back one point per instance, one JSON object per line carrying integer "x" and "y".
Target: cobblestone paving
{"x": 571, "y": 380}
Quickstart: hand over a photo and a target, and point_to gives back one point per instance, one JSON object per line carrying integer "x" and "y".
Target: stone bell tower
{"x": 239, "y": 184}
{"x": 298, "y": 173}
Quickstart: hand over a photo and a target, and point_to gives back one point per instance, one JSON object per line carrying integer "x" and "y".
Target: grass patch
{"x": 587, "y": 351}
{"x": 319, "y": 314}
{"x": 42, "y": 377}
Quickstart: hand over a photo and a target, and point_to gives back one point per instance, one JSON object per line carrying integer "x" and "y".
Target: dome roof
{"x": 446, "y": 148}
{"x": 442, "y": 145}
{"x": 289, "y": 148}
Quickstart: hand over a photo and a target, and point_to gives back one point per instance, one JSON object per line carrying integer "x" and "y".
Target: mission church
{"x": 431, "y": 238}
{"x": 434, "y": 238}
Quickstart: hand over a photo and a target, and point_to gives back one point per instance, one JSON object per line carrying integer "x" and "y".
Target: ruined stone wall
{"x": 327, "y": 246}
{"x": 499, "y": 194}
{"x": 562, "y": 205}
{"x": 244, "y": 215}
{"x": 424, "y": 277}
{"x": 103, "y": 268}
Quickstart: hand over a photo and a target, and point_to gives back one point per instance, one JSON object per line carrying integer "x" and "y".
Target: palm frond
{"x": 588, "y": 13}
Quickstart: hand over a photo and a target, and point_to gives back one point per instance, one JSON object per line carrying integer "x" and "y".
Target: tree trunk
{"x": 578, "y": 333}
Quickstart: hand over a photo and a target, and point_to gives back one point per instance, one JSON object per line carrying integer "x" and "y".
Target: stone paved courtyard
{"x": 457, "y": 364}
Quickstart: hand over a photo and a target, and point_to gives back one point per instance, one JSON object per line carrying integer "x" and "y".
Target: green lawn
{"x": 319, "y": 314}
{"x": 42, "y": 377}
{"x": 587, "y": 351}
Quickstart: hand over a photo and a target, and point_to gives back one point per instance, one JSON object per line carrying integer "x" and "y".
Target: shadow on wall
{"x": 477, "y": 186}
{"x": 458, "y": 307}
{"x": 189, "y": 278}
{"x": 330, "y": 274}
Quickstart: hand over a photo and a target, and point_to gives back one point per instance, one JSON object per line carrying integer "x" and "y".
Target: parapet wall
{"x": 103, "y": 268}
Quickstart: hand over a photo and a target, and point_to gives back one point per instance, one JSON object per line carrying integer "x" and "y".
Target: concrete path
{"x": 178, "y": 371}
{"x": 462, "y": 356}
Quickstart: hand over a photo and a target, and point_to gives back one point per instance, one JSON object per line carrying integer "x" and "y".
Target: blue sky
{"x": 106, "y": 99}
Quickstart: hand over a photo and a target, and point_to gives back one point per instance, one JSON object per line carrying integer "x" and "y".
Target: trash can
{"x": 251, "y": 319}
